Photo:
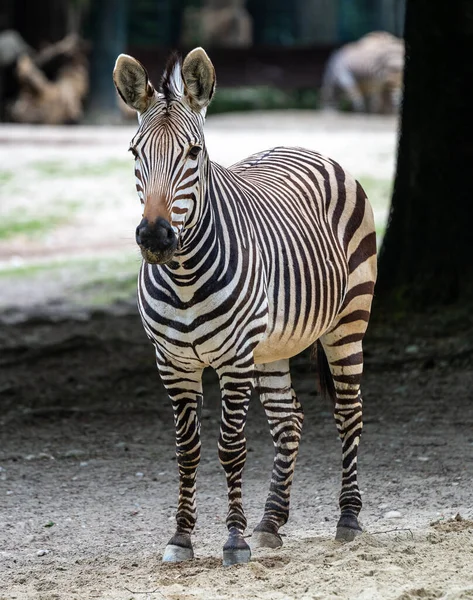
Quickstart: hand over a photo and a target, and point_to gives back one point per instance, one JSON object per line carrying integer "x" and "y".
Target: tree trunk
{"x": 109, "y": 40}
{"x": 427, "y": 254}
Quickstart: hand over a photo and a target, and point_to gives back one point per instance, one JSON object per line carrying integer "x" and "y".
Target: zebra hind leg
{"x": 285, "y": 416}
{"x": 184, "y": 387}
{"x": 345, "y": 361}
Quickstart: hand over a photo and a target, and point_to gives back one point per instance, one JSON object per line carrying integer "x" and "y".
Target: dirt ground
{"x": 88, "y": 483}
{"x": 88, "y": 478}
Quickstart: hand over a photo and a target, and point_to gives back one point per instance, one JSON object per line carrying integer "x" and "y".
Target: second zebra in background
{"x": 368, "y": 74}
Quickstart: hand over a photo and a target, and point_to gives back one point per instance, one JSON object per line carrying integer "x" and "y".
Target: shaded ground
{"x": 89, "y": 482}
{"x": 88, "y": 479}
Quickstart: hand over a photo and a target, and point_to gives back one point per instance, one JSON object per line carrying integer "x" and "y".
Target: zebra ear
{"x": 199, "y": 79}
{"x": 132, "y": 83}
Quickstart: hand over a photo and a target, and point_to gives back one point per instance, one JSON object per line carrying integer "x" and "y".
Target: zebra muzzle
{"x": 157, "y": 240}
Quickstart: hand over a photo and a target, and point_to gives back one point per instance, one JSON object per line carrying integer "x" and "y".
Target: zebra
{"x": 243, "y": 268}
{"x": 368, "y": 73}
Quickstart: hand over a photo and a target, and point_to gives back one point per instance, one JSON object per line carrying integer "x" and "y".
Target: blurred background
{"x": 280, "y": 72}
{"x": 271, "y": 54}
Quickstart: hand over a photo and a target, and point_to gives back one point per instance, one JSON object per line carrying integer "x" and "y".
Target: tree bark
{"x": 427, "y": 255}
{"x": 109, "y": 40}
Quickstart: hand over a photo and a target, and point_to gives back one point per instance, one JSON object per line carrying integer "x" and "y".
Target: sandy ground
{"x": 88, "y": 479}
{"x": 88, "y": 483}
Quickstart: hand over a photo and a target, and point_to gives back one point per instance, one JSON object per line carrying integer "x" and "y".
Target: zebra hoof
{"x": 176, "y": 554}
{"x": 347, "y": 534}
{"x": 236, "y": 557}
{"x": 236, "y": 551}
{"x": 264, "y": 539}
{"x": 348, "y": 528}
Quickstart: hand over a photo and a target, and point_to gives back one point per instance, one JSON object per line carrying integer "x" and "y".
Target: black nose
{"x": 157, "y": 237}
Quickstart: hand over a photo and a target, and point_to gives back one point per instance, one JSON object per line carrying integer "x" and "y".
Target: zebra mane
{"x": 172, "y": 84}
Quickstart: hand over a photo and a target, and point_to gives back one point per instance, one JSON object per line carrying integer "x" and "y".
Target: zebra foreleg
{"x": 345, "y": 359}
{"x": 285, "y": 416}
{"x": 236, "y": 387}
{"x": 185, "y": 390}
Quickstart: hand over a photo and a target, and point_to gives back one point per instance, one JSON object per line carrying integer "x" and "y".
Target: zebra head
{"x": 169, "y": 149}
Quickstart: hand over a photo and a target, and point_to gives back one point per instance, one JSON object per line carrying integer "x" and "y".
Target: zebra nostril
{"x": 140, "y": 233}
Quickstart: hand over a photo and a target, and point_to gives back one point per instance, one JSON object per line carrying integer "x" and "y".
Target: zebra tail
{"x": 327, "y": 387}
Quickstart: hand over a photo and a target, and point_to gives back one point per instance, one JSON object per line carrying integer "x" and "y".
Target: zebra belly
{"x": 303, "y": 308}
{"x": 286, "y": 344}
{"x": 273, "y": 349}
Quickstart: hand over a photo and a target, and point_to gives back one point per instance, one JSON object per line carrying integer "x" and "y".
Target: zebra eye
{"x": 133, "y": 151}
{"x": 194, "y": 152}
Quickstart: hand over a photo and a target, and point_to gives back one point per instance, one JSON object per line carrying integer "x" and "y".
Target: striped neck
{"x": 203, "y": 248}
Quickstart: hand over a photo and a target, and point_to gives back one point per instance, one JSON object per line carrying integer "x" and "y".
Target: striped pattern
{"x": 367, "y": 73}
{"x": 274, "y": 254}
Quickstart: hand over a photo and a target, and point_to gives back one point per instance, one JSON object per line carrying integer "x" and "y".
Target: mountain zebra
{"x": 368, "y": 73}
{"x": 244, "y": 268}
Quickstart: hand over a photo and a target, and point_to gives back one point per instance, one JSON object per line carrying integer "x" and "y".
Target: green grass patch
{"x": 28, "y": 226}
{"x": 379, "y": 193}
{"x": 93, "y": 282}
{"x": 31, "y": 225}
{"x": 111, "y": 280}
{"x": 57, "y": 168}
{"x": 378, "y": 190}
{"x": 380, "y": 231}
{"x": 97, "y": 269}
{"x": 5, "y": 176}
{"x": 38, "y": 269}
{"x": 100, "y": 292}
